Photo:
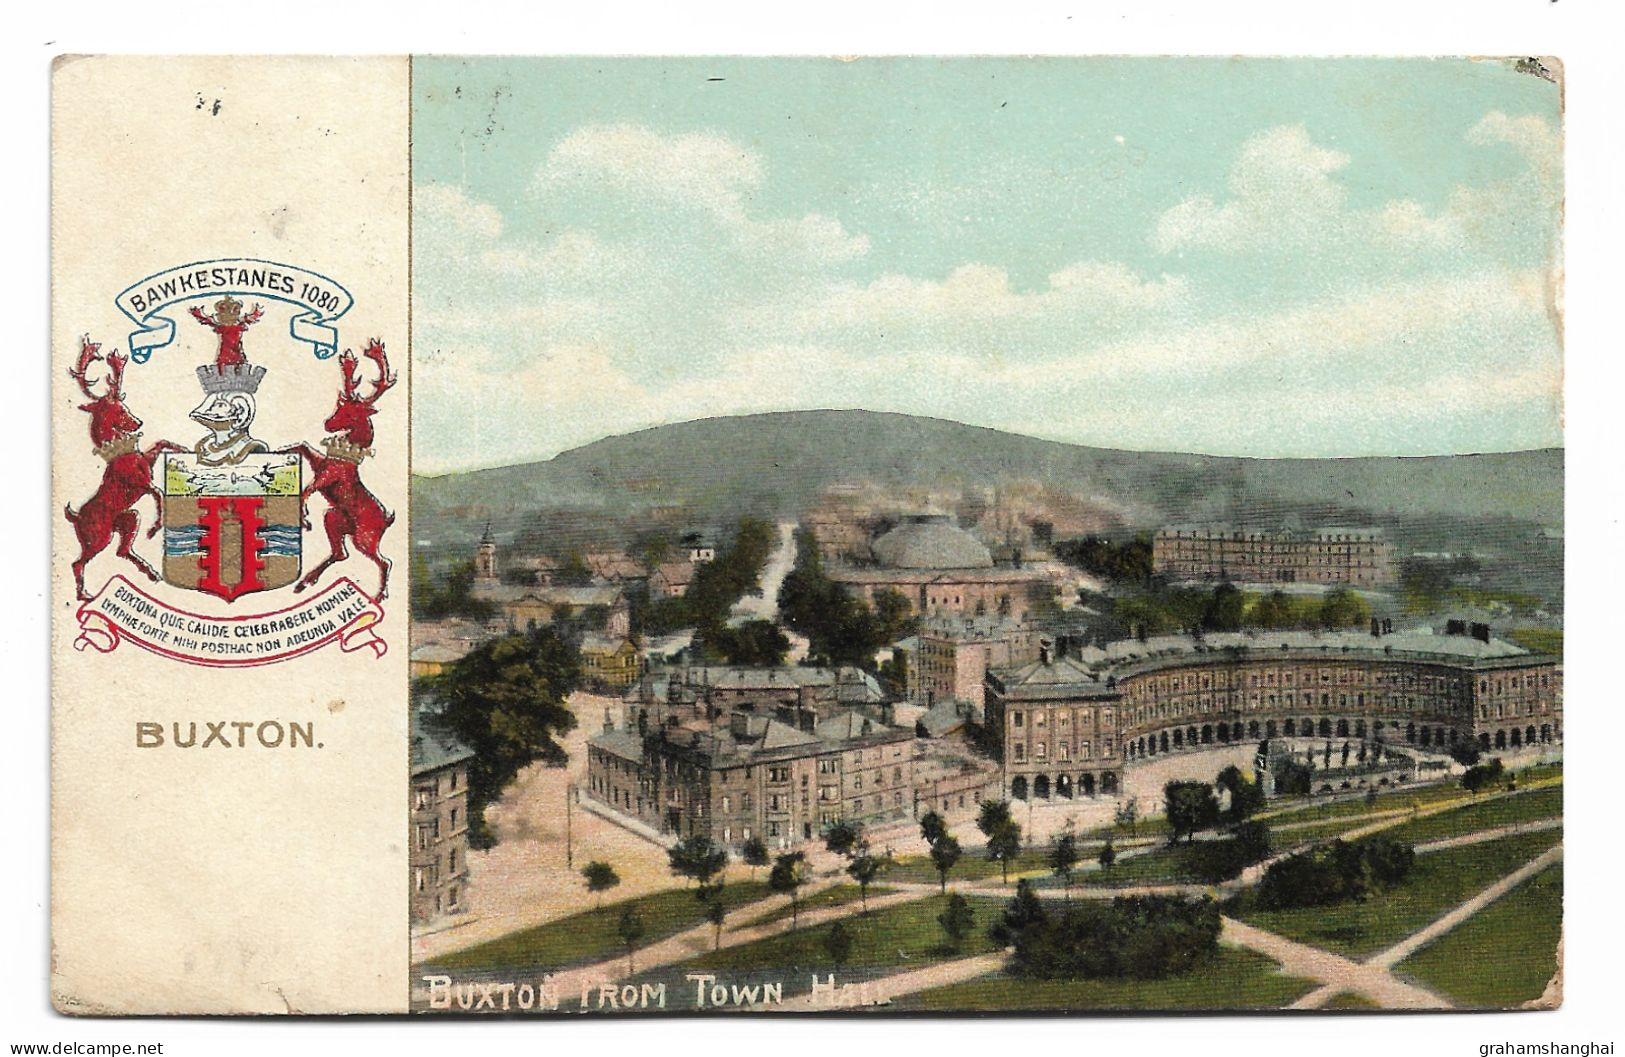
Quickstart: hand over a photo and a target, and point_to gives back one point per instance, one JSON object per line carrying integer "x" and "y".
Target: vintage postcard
{"x": 632, "y": 536}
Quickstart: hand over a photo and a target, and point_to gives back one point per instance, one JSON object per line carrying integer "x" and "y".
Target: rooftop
{"x": 930, "y": 542}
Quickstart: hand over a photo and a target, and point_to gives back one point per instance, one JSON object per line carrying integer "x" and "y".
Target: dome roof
{"x": 930, "y": 543}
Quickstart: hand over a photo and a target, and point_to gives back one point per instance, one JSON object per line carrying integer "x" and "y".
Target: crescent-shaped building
{"x": 1068, "y": 725}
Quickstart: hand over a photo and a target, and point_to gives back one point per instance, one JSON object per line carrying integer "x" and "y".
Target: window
{"x": 1018, "y": 719}
{"x": 1021, "y": 753}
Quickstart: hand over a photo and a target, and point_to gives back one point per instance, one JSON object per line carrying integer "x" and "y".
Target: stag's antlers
{"x": 386, "y": 378}
{"x": 89, "y": 353}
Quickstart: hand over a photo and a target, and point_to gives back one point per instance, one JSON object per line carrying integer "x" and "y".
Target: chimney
{"x": 1481, "y": 632}
{"x": 1455, "y": 627}
{"x": 739, "y": 724}
{"x": 808, "y": 720}
{"x": 1045, "y": 646}
{"x": 609, "y": 722}
{"x": 1376, "y": 628}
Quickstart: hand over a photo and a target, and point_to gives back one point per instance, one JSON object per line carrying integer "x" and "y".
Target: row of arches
{"x": 1063, "y": 786}
{"x": 1176, "y": 739}
{"x": 1516, "y": 738}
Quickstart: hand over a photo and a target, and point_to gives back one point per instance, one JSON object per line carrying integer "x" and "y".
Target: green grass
{"x": 1391, "y": 800}
{"x": 1232, "y": 979}
{"x": 590, "y": 936}
{"x": 1174, "y": 864}
{"x": 1503, "y": 955}
{"x": 974, "y": 865}
{"x": 839, "y": 895}
{"x": 1538, "y": 640}
{"x": 1502, "y": 811}
{"x": 898, "y": 937}
{"x": 1437, "y": 884}
{"x": 1350, "y": 1000}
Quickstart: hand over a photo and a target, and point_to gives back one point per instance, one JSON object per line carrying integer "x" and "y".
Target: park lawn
{"x": 1154, "y": 826}
{"x": 1174, "y": 864}
{"x": 1488, "y": 814}
{"x": 974, "y": 865}
{"x": 1503, "y": 955}
{"x": 591, "y": 936}
{"x": 1232, "y": 979}
{"x": 838, "y": 895}
{"x": 1350, "y": 1000}
{"x": 904, "y": 936}
{"x": 1398, "y": 799}
{"x": 1437, "y": 884}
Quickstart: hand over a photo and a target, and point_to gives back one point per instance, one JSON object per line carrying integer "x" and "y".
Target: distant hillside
{"x": 777, "y": 465}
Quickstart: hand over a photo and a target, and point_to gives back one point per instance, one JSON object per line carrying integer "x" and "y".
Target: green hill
{"x": 777, "y": 465}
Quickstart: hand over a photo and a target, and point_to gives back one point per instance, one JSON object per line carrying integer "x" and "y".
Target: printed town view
{"x": 939, "y": 534}
{"x": 949, "y": 752}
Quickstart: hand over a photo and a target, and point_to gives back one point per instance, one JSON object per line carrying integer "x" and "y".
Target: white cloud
{"x": 1281, "y": 187}
{"x": 444, "y": 209}
{"x": 1285, "y": 192}
{"x": 697, "y": 171}
{"x": 974, "y": 292}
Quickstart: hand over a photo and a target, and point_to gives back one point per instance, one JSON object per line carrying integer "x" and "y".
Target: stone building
{"x": 941, "y": 569}
{"x": 438, "y": 855}
{"x": 732, "y": 757}
{"x": 1338, "y": 555}
{"x": 1068, "y": 725}
{"x": 952, "y": 655}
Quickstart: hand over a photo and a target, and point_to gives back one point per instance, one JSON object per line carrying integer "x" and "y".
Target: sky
{"x": 1261, "y": 257}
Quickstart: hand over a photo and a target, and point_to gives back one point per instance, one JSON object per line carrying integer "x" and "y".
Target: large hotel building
{"x": 771, "y": 753}
{"x": 1069, "y": 724}
{"x": 1357, "y": 557}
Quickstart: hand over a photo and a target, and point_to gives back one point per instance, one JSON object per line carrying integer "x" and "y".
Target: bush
{"x": 1483, "y": 776}
{"x": 1336, "y": 873}
{"x": 1214, "y": 861}
{"x": 1139, "y": 937}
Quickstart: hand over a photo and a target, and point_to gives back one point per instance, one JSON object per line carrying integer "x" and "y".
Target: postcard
{"x": 632, "y": 536}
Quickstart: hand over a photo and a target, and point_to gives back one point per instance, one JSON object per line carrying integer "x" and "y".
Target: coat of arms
{"x": 232, "y": 509}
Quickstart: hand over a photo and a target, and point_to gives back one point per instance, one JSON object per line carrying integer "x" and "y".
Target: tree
{"x": 1024, "y": 910}
{"x": 601, "y": 877}
{"x": 787, "y": 877}
{"x": 838, "y": 943}
{"x": 1482, "y": 776}
{"x": 630, "y": 929}
{"x": 991, "y": 815}
{"x": 697, "y": 858}
{"x": 1190, "y": 806}
{"x": 842, "y": 836}
{"x": 944, "y": 854}
{"x": 1063, "y": 860}
{"x": 1004, "y": 845}
{"x": 957, "y": 919}
{"x": 1128, "y": 814}
{"x": 1343, "y": 608}
{"x": 1108, "y": 855}
{"x": 1246, "y": 795}
{"x": 864, "y": 868}
{"x": 1224, "y": 611}
{"x": 754, "y": 643}
{"x": 716, "y": 914}
{"x": 933, "y": 827}
{"x": 754, "y": 852}
{"x": 1465, "y": 753}
{"x": 505, "y": 700}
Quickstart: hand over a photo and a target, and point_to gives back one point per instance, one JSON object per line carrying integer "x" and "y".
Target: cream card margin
{"x": 252, "y": 880}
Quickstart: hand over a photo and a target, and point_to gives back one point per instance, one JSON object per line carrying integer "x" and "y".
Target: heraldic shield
{"x": 231, "y": 530}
